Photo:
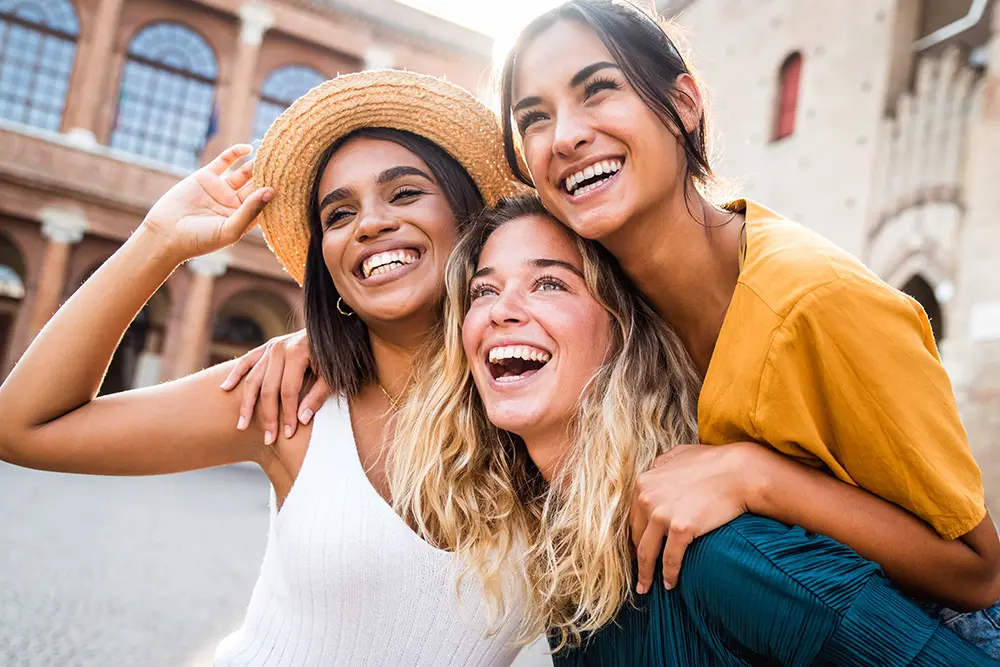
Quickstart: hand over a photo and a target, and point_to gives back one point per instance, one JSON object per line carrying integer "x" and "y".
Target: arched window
{"x": 788, "y": 96}
{"x": 280, "y": 89}
{"x": 922, "y": 291}
{"x": 37, "y": 48}
{"x": 238, "y": 329}
{"x": 166, "y": 101}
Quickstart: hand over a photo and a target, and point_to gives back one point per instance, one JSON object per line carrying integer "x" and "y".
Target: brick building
{"x": 876, "y": 123}
{"x": 104, "y": 104}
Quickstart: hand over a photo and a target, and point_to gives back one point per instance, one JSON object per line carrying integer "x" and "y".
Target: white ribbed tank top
{"x": 346, "y": 582}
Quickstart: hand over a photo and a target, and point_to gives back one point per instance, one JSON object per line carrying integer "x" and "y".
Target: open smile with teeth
{"x": 511, "y": 363}
{"x": 592, "y": 177}
{"x": 385, "y": 262}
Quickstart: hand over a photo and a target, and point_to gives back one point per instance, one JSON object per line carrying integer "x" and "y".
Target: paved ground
{"x": 107, "y": 572}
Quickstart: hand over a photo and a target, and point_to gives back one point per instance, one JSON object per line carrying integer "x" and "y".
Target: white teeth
{"x": 498, "y": 354}
{"x": 383, "y": 262}
{"x": 597, "y": 169}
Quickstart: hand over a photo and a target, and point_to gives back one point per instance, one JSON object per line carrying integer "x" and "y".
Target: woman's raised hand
{"x": 691, "y": 490}
{"x": 275, "y": 372}
{"x": 210, "y": 209}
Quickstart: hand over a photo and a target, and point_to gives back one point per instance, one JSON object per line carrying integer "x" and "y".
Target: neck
{"x": 547, "y": 449}
{"x": 684, "y": 258}
{"x": 394, "y": 348}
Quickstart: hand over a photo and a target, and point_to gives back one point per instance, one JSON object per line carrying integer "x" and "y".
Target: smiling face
{"x": 598, "y": 154}
{"x": 534, "y": 335}
{"x": 387, "y": 230}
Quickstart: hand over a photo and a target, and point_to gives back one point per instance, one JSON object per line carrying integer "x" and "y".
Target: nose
{"x": 572, "y": 132}
{"x": 373, "y": 223}
{"x": 508, "y": 309}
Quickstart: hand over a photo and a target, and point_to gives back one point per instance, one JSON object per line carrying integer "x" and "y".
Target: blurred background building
{"x": 104, "y": 104}
{"x": 877, "y": 124}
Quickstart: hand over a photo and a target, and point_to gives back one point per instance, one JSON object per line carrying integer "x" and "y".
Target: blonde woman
{"x": 555, "y": 388}
{"x": 365, "y": 208}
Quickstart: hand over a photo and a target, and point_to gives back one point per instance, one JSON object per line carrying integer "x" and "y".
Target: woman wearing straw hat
{"x": 366, "y": 218}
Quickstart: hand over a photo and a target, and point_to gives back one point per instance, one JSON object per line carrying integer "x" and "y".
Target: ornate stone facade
{"x": 69, "y": 197}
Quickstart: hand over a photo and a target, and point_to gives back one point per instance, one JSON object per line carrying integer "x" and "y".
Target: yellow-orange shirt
{"x": 821, "y": 360}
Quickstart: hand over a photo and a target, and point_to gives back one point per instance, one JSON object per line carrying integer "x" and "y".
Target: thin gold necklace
{"x": 392, "y": 401}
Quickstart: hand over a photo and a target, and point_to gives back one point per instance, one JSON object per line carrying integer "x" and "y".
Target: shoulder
{"x": 799, "y": 273}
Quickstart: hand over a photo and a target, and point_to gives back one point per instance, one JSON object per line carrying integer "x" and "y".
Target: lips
{"x": 380, "y": 262}
{"x": 592, "y": 176}
{"x": 511, "y": 363}
{"x": 384, "y": 262}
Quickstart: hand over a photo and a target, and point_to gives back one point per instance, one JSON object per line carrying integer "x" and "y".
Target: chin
{"x": 515, "y": 420}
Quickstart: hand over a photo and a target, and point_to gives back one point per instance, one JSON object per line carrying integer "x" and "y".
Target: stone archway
{"x": 12, "y": 290}
{"x": 247, "y": 320}
{"x": 920, "y": 289}
{"x": 138, "y": 359}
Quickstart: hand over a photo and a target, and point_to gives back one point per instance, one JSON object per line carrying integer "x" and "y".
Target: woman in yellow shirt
{"x": 801, "y": 348}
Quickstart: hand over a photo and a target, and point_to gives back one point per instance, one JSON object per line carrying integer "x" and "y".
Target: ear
{"x": 689, "y": 102}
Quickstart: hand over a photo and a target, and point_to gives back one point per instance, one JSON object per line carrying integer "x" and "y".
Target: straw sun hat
{"x": 442, "y": 112}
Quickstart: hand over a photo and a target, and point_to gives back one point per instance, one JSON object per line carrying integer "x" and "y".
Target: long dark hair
{"x": 340, "y": 347}
{"x": 649, "y": 61}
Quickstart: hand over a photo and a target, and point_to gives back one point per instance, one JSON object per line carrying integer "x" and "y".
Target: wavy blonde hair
{"x": 471, "y": 488}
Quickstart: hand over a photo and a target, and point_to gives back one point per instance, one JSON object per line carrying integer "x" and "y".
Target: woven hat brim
{"x": 437, "y": 110}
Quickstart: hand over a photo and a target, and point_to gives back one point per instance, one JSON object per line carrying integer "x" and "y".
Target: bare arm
{"x": 963, "y": 573}
{"x": 693, "y": 490}
{"x": 51, "y": 419}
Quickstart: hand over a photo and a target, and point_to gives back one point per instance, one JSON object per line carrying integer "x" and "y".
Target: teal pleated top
{"x": 758, "y": 592}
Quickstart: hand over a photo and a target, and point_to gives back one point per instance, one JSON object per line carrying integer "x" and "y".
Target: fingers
{"x": 314, "y": 400}
{"x": 222, "y": 161}
{"x": 648, "y": 551}
{"x": 666, "y": 456}
{"x": 679, "y": 538}
{"x": 291, "y": 384}
{"x": 251, "y": 390}
{"x": 248, "y": 189}
{"x": 242, "y": 367}
{"x": 240, "y": 173}
{"x": 270, "y": 392}
{"x": 239, "y": 222}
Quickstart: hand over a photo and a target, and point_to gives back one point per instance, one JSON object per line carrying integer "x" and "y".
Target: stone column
{"x": 377, "y": 57}
{"x": 256, "y": 19}
{"x": 94, "y": 73}
{"x": 197, "y": 309}
{"x": 62, "y": 229}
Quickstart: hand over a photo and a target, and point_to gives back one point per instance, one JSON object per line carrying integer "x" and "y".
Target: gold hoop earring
{"x": 340, "y": 308}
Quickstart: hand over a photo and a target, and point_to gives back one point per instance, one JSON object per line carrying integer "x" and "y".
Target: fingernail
{"x": 226, "y": 383}
{"x": 641, "y": 589}
{"x": 288, "y": 431}
{"x": 241, "y": 425}
{"x": 268, "y": 438}
{"x": 305, "y": 416}
{"x": 268, "y": 196}
{"x": 669, "y": 586}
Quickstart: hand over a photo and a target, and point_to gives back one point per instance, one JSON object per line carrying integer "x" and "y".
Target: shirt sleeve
{"x": 854, "y": 378}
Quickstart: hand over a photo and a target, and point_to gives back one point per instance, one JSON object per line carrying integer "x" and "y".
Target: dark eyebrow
{"x": 556, "y": 263}
{"x": 387, "y": 176}
{"x": 527, "y": 102}
{"x": 588, "y": 71}
{"x": 335, "y": 195}
{"x": 540, "y": 263}
{"x": 577, "y": 79}
{"x": 392, "y": 173}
